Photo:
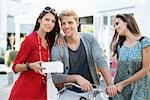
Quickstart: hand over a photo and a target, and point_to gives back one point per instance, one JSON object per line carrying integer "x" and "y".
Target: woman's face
{"x": 120, "y": 26}
{"x": 47, "y": 22}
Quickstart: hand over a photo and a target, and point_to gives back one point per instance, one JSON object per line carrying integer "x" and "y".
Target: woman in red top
{"x": 31, "y": 84}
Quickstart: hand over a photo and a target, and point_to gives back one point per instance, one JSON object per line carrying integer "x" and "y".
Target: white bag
{"x": 52, "y": 67}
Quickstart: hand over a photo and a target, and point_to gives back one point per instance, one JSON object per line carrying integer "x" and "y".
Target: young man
{"x": 81, "y": 53}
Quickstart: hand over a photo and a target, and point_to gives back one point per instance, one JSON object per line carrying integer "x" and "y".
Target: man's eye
{"x": 62, "y": 23}
{"x": 70, "y": 22}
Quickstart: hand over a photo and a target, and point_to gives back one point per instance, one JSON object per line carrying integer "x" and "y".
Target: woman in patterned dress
{"x": 133, "y": 54}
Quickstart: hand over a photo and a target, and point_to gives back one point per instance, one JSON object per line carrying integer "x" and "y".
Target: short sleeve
{"x": 145, "y": 42}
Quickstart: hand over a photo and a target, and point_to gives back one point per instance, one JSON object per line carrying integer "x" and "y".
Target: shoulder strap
{"x": 141, "y": 38}
{"x": 120, "y": 44}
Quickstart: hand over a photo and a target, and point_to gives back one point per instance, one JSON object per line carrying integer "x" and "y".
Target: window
{"x": 105, "y": 20}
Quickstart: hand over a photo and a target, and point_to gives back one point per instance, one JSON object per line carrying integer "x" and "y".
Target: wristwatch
{"x": 28, "y": 66}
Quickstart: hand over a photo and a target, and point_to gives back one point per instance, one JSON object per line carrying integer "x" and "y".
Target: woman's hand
{"x": 60, "y": 41}
{"x": 36, "y": 66}
{"x": 120, "y": 86}
{"x": 111, "y": 90}
{"x": 84, "y": 84}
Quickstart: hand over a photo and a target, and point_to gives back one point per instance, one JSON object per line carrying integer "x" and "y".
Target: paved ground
{"x": 6, "y": 85}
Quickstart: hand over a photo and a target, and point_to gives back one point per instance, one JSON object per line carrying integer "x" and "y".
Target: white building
{"x": 20, "y": 17}
{"x": 8, "y": 9}
{"x": 103, "y": 18}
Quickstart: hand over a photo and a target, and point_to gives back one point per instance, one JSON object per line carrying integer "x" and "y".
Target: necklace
{"x": 40, "y": 49}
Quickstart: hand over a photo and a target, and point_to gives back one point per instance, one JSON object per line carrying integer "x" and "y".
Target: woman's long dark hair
{"x": 50, "y": 36}
{"x": 131, "y": 25}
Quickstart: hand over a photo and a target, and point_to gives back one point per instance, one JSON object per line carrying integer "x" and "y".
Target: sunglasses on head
{"x": 49, "y": 9}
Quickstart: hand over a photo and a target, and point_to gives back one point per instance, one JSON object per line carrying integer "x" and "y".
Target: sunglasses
{"x": 49, "y": 9}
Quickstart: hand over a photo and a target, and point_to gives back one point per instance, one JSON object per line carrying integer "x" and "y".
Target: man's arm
{"x": 97, "y": 52}
{"x": 63, "y": 78}
{"x": 100, "y": 61}
{"x": 107, "y": 75}
{"x": 102, "y": 65}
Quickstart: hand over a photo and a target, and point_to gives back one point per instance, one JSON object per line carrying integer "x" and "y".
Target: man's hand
{"x": 84, "y": 84}
{"x": 60, "y": 41}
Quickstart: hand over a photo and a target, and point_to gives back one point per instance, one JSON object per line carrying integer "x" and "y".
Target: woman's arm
{"x": 140, "y": 74}
{"x": 35, "y": 66}
{"x": 22, "y": 55}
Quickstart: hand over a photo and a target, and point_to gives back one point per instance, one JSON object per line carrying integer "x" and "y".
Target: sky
{"x": 80, "y": 6}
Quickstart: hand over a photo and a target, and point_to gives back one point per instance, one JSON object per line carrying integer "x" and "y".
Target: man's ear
{"x": 78, "y": 23}
{"x": 126, "y": 24}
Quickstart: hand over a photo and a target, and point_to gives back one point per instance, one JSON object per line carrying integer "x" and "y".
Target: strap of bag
{"x": 141, "y": 38}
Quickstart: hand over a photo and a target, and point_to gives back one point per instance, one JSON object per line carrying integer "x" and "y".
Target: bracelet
{"x": 111, "y": 84}
{"x": 28, "y": 66}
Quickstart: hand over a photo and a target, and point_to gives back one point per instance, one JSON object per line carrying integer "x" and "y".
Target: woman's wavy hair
{"x": 50, "y": 36}
{"x": 131, "y": 25}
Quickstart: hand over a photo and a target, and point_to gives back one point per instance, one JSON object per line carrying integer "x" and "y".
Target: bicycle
{"x": 72, "y": 91}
